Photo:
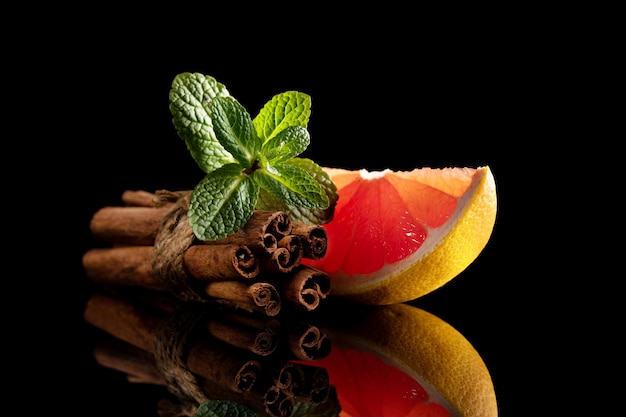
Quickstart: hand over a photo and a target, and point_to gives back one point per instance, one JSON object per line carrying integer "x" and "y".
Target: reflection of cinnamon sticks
{"x": 246, "y": 332}
{"x": 137, "y": 326}
{"x": 217, "y": 364}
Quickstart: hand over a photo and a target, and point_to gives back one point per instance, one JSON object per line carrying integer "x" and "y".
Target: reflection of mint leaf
{"x": 245, "y": 159}
{"x": 305, "y": 409}
{"x": 223, "y": 408}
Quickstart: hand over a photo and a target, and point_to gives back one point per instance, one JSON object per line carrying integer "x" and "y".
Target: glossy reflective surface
{"x": 359, "y": 359}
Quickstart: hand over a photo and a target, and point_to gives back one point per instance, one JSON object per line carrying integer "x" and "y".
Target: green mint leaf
{"x": 223, "y": 408}
{"x": 190, "y": 96}
{"x": 249, "y": 163}
{"x": 222, "y": 202}
{"x": 268, "y": 201}
{"x": 290, "y": 108}
{"x": 292, "y": 185}
{"x": 286, "y": 144}
{"x": 234, "y": 130}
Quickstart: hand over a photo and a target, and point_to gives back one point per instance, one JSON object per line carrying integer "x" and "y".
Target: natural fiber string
{"x": 173, "y": 238}
{"x": 170, "y": 352}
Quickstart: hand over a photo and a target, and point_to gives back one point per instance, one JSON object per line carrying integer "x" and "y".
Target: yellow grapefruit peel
{"x": 446, "y": 253}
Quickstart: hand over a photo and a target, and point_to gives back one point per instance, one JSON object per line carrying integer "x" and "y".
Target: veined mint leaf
{"x": 286, "y": 144}
{"x": 292, "y": 185}
{"x": 223, "y": 408}
{"x": 190, "y": 96}
{"x": 291, "y": 108}
{"x": 268, "y": 201}
{"x": 234, "y": 130}
{"x": 222, "y": 202}
{"x": 248, "y": 163}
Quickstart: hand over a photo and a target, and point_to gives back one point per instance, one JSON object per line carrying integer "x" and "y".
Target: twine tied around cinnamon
{"x": 173, "y": 238}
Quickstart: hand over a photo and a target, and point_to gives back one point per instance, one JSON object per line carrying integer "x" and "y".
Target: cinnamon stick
{"x": 127, "y": 225}
{"x": 305, "y": 288}
{"x": 261, "y": 232}
{"x": 228, "y": 261}
{"x": 260, "y": 296}
{"x": 278, "y": 402}
{"x": 140, "y": 198}
{"x": 160, "y": 198}
{"x": 137, "y": 223}
{"x": 315, "y": 239}
{"x": 132, "y": 265}
{"x": 285, "y": 256}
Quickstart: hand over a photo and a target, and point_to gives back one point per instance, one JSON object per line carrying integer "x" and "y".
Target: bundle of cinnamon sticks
{"x": 203, "y": 317}
{"x": 258, "y": 268}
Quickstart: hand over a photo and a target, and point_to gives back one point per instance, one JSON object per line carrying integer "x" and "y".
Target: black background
{"x": 409, "y": 99}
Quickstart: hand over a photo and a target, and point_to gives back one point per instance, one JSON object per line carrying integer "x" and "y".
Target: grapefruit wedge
{"x": 401, "y": 361}
{"x": 397, "y": 235}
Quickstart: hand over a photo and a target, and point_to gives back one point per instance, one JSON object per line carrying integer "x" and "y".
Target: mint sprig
{"x": 249, "y": 163}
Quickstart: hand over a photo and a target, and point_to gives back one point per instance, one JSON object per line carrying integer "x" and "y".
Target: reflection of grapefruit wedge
{"x": 397, "y": 235}
{"x": 401, "y": 361}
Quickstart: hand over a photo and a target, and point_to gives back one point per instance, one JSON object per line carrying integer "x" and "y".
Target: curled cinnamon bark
{"x": 306, "y": 287}
{"x": 138, "y": 222}
{"x": 208, "y": 262}
{"x": 315, "y": 239}
{"x": 285, "y": 257}
{"x": 262, "y": 231}
{"x": 260, "y": 296}
{"x": 278, "y": 403}
{"x": 132, "y": 265}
